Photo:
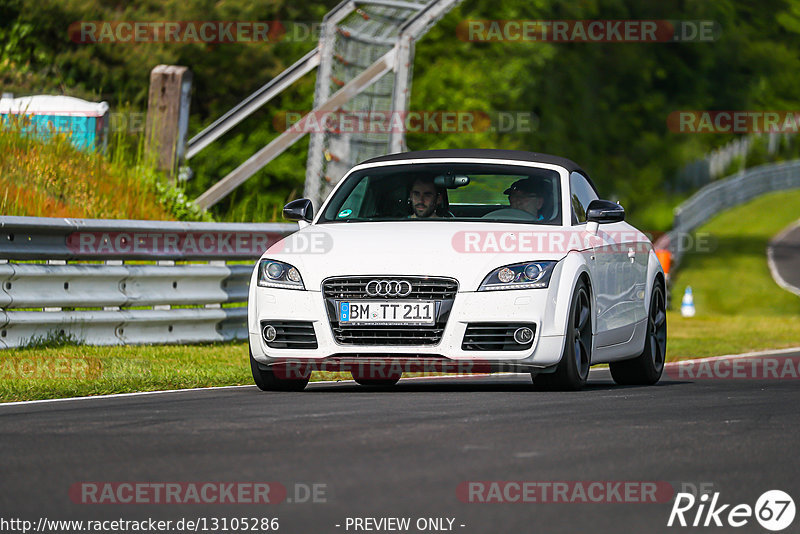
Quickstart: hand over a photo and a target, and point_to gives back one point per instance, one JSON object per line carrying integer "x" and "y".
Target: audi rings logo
{"x": 388, "y": 288}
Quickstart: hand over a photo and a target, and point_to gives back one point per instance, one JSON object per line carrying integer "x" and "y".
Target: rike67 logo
{"x": 774, "y": 510}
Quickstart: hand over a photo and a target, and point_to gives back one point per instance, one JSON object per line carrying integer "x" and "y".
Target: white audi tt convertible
{"x": 460, "y": 261}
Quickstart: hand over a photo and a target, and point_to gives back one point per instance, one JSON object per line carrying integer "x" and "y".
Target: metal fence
{"x": 109, "y": 282}
{"x": 720, "y": 160}
{"x": 364, "y": 60}
{"x": 377, "y": 37}
{"x": 722, "y": 195}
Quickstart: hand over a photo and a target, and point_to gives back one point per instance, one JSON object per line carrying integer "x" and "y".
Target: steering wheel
{"x": 509, "y": 213}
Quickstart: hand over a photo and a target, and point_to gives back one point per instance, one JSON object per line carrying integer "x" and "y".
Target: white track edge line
{"x": 773, "y": 269}
{"x": 213, "y": 388}
{"x": 118, "y": 395}
{"x": 210, "y": 388}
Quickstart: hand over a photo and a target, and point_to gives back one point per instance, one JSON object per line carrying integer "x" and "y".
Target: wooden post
{"x": 168, "y": 116}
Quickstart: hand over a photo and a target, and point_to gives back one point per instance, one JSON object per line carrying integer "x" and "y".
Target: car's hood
{"x": 464, "y": 251}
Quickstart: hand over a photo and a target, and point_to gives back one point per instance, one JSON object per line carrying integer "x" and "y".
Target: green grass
{"x": 49, "y": 177}
{"x": 52, "y": 370}
{"x": 739, "y": 306}
{"x": 715, "y": 335}
{"x": 70, "y": 370}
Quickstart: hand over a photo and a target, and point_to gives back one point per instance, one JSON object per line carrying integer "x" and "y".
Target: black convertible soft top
{"x": 485, "y": 153}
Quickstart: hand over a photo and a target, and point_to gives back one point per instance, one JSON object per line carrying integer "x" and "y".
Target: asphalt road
{"x": 403, "y": 452}
{"x": 784, "y": 252}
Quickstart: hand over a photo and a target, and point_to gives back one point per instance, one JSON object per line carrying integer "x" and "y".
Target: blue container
{"x": 86, "y": 123}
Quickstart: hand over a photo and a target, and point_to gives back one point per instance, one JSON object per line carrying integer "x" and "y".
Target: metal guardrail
{"x": 90, "y": 290}
{"x": 724, "y": 194}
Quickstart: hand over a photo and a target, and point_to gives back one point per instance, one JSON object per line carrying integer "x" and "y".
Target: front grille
{"x": 422, "y": 288}
{"x": 291, "y": 335}
{"x": 494, "y": 336}
{"x": 441, "y": 290}
{"x": 387, "y": 335}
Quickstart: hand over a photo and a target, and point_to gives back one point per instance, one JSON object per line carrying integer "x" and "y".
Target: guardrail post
{"x": 168, "y": 115}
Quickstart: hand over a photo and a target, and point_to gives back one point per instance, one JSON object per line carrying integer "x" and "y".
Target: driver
{"x": 527, "y": 195}
{"x": 425, "y": 199}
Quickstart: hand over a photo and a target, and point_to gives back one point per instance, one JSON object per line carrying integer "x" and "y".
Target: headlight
{"x": 273, "y": 273}
{"x": 529, "y": 275}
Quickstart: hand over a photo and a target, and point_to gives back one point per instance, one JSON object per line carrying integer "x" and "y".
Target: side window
{"x": 581, "y": 194}
{"x": 355, "y": 201}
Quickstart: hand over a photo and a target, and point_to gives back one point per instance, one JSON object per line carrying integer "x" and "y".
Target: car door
{"x": 638, "y": 247}
{"x": 622, "y": 287}
{"x": 610, "y": 267}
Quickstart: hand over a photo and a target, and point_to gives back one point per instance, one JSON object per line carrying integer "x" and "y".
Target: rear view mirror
{"x": 451, "y": 181}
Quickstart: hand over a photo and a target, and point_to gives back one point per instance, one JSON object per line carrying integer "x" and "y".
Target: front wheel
{"x": 573, "y": 369}
{"x": 646, "y": 369}
{"x": 268, "y": 380}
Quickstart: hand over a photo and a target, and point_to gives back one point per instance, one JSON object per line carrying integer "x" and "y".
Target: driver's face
{"x": 424, "y": 199}
{"x": 526, "y": 202}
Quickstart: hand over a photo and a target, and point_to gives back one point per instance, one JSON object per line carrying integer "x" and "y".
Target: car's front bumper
{"x": 535, "y": 306}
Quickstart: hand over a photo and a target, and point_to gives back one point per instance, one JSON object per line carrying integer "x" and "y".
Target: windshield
{"x": 447, "y": 192}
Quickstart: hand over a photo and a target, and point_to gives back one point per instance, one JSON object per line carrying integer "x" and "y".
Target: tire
{"x": 363, "y": 380}
{"x": 646, "y": 369}
{"x": 266, "y": 380}
{"x": 573, "y": 369}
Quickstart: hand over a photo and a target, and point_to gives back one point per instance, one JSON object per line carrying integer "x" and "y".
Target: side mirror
{"x": 299, "y": 210}
{"x": 604, "y": 211}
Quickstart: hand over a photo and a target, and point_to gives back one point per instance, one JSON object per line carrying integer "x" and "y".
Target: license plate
{"x": 387, "y": 312}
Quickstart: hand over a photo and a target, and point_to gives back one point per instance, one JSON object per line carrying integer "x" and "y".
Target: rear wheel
{"x": 268, "y": 380}
{"x": 573, "y": 369}
{"x": 646, "y": 368}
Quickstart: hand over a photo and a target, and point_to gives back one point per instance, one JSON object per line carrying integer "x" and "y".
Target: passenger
{"x": 527, "y": 195}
